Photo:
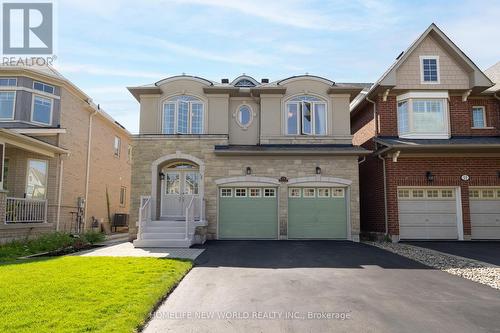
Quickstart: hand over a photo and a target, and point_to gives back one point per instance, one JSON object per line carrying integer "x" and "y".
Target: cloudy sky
{"x": 106, "y": 45}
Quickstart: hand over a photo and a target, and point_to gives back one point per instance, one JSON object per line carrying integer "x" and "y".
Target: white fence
{"x": 20, "y": 210}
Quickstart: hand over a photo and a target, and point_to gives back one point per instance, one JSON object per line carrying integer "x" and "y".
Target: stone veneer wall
{"x": 149, "y": 149}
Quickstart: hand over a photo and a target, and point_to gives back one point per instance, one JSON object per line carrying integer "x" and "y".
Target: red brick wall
{"x": 371, "y": 188}
{"x": 388, "y": 116}
{"x": 461, "y": 116}
{"x": 446, "y": 171}
{"x": 363, "y": 126}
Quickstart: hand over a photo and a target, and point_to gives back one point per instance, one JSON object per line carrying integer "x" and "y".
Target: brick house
{"x": 244, "y": 160}
{"x": 60, "y": 154}
{"x": 433, "y": 122}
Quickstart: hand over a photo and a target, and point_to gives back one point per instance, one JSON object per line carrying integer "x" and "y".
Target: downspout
{"x": 59, "y": 195}
{"x": 385, "y": 195}
{"x": 87, "y": 176}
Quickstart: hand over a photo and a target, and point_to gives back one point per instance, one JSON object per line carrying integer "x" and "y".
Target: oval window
{"x": 244, "y": 115}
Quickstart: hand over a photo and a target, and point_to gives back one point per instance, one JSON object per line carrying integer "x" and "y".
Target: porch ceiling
{"x": 30, "y": 144}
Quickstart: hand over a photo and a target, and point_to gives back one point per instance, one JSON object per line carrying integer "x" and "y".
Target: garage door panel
{"x": 317, "y": 218}
{"x": 485, "y": 213}
{"x": 411, "y": 219}
{"x": 485, "y": 206}
{"x": 248, "y": 218}
{"x": 427, "y": 213}
{"x": 430, "y": 232}
{"x": 423, "y": 206}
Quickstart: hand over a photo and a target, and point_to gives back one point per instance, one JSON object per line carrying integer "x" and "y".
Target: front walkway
{"x": 321, "y": 286}
{"x": 127, "y": 249}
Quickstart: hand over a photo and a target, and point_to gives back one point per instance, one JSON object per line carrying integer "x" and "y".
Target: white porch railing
{"x": 189, "y": 216}
{"x": 21, "y": 210}
{"x": 144, "y": 213}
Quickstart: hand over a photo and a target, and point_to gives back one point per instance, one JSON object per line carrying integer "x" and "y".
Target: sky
{"x": 103, "y": 46}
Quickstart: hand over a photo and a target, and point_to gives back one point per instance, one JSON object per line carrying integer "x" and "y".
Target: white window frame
{"x": 341, "y": 191}
{"x": 28, "y": 174}
{"x": 237, "y": 116}
{"x": 259, "y": 193}
{"x": 33, "y": 109}
{"x": 271, "y": 190}
{"x": 224, "y": 192}
{"x": 328, "y": 192}
{"x": 117, "y": 150}
{"x": 292, "y": 190}
{"x": 300, "y": 123}
{"x": 123, "y": 195}
{"x": 245, "y": 190}
{"x": 9, "y": 78}
{"x": 418, "y": 95}
{"x": 190, "y": 115}
{"x": 305, "y": 191}
{"x": 13, "y": 105}
{"x": 44, "y": 85}
{"x": 485, "y": 125}
{"x": 431, "y": 57}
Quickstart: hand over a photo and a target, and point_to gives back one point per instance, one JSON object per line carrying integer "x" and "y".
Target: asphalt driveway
{"x": 483, "y": 251}
{"x": 321, "y": 286}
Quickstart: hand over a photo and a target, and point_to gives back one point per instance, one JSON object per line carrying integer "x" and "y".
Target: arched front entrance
{"x": 177, "y": 182}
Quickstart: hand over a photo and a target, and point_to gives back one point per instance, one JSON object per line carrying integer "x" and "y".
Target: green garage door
{"x": 317, "y": 213}
{"x": 248, "y": 213}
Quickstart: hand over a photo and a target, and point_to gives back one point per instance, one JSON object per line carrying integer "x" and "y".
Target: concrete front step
{"x": 163, "y": 243}
{"x": 165, "y": 235}
{"x": 165, "y": 224}
{"x": 149, "y": 229}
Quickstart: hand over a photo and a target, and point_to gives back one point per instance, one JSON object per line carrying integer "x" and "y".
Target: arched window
{"x": 306, "y": 115}
{"x": 183, "y": 115}
{"x": 244, "y": 83}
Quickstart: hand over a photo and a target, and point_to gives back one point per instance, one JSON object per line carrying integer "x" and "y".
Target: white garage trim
{"x": 247, "y": 180}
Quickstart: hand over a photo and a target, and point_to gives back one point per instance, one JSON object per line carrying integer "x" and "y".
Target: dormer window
{"x": 429, "y": 69}
{"x": 183, "y": 115}
{"x": 244, "y": 83}
{"x": 306, "y": 115}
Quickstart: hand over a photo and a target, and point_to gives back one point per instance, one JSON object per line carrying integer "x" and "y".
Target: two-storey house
{"x": 433, "y": 122}
{"x": 64, "y": 162}
{"x": 244, "y": 160}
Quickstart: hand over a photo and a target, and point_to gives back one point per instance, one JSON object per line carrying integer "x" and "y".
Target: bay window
{"x": 422, "y": 118}
{"x": 183, "y": 115}
{"x": 306, "y": 115}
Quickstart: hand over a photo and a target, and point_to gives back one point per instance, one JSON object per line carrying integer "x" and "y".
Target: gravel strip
{"x": 473, "y": 270}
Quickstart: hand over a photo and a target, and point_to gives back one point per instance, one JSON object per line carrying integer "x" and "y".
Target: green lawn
{"x": 84, "y": 294}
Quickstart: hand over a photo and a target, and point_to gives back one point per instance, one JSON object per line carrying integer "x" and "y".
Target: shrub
{"x": 93, "y": 237}
{"x": 43, "y": 243}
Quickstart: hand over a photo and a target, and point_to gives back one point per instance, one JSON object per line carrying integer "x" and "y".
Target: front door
{"x": 179, "y": 186}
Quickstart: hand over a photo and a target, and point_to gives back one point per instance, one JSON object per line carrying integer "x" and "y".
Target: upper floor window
{"x": 129, "y": 153}
{"x": 423, "y": 118}
{"x": 183, "y": 115}
{"x": 43, "y": 87}
{"x": 7, "y": 99}
{"x": 8, "y": 82}
{"x": 123, "y": 196}
{"x": 117, "y": 146}
{"x": 244, "y": 116}
{"x": 244, "y": 83}
{"x": 306, "y": 115}
{"x": 478, "y": 117}
{"x": 42, "y": 110}
{"x": 429, "y": 68}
